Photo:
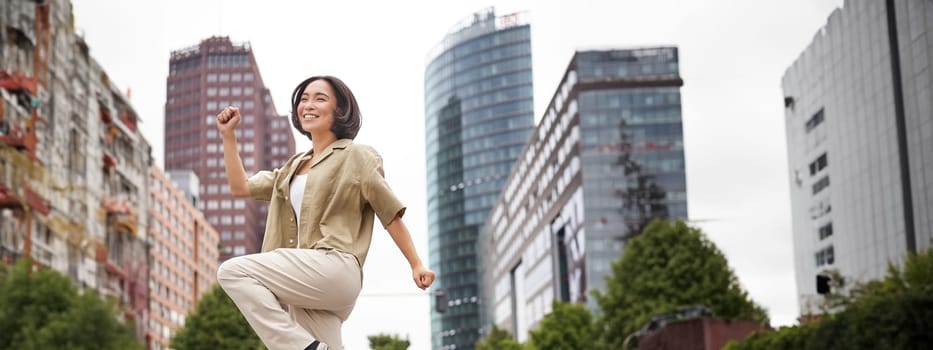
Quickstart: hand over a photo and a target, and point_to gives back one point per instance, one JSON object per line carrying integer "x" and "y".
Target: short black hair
{"x": 347, "y": 117}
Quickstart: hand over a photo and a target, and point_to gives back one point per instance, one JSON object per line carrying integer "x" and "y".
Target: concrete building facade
{"x": 859, "y": 130}
{"x": 183, "y": 254}
{"x": 74, "y": 168}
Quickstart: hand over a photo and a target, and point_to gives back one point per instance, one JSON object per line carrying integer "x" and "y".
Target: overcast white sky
{"x": 732, "y": 56}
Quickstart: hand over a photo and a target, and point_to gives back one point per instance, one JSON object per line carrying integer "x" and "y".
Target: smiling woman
{"x": 323, "y": 205}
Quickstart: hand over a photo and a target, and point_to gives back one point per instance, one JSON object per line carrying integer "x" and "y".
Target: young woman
{"x": 321, "y": 213}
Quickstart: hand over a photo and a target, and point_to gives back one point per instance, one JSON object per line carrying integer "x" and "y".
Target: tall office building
{"x": 203, "y": 79}
{"x": 859, "y": 129}
{"x": 478, "y": 114}
{"x": 606, "y": 158}
{"x": 182, "y": 253}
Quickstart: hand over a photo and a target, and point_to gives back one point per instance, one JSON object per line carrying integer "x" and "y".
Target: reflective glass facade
{"x": 478, "y": 115}
{"x": 606, "y": 158}
{"x": 859, "y": 127}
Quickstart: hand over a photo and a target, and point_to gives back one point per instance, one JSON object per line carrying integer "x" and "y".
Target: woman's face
{"x": 316, "y": 107}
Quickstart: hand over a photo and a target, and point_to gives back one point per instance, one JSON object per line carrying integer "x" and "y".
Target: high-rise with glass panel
{"x": 606, "y": 158}
{"x": 478, "y": 115}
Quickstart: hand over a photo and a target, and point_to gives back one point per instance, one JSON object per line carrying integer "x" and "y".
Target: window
{"x": 815, "y": 120}
{"x": 826, "y": 231}
{"x": 211, "y": 77}
{"x": 825, "y": 256}
{"x": 821, "y": 184}
{"x": 818, "y": 164}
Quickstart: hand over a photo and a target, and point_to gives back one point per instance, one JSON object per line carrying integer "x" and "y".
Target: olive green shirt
{"x": 345, "y": 189}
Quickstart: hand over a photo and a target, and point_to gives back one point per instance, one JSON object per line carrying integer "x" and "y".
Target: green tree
{"x": 388, "y": 342}
{"x": 498, "y": 339}
{"x": 42, "y": 309}
{"x": 668, "y": 266}
{"x": 567, "y": 326}
{"x": 216, "y": 323}
{"x": 893, "y": 313}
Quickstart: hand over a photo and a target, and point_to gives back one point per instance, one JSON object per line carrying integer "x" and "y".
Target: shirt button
{"x": 291, "y": 241}
{"x": 286, "y": 197}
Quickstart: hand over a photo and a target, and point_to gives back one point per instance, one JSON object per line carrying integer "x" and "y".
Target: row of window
{"x": 214, "y": 204}
{"x": 225, "y": 77}
{"x": 825, "y": 256}
{"x": 212, "y": 106}
{"x": 231, "y": 91}
{"x": 821, "y": 184}
{"x": 227, "y": 61}
{"x": 629, "y": 98}
{"x": 819, "y": 164}
{"x": 227, "y": 220}
{"x": 238, "y": 235}
{"x": 235, "y": 250}
{"x": 814, "y": 121}
{"x": 626, "y": 69}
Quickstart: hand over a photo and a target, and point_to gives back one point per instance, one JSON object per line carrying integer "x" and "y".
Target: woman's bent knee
{"x": 229, "y": 270}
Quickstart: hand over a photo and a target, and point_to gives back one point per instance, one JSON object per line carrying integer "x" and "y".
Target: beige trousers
{"x": 319, "y": 286}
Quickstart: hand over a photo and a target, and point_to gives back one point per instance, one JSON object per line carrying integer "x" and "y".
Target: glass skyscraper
{"x": 606, "y": 158}
{"x": 478, "y": 115}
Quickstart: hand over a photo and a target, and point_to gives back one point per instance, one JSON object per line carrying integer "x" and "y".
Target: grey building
{"x": 606, "y": 158}
{"x": 860, "y": 142}
{"x": 478, "y": 114}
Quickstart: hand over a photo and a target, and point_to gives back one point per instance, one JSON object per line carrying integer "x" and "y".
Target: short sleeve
{"x": 377, "y": 193}
{"x": 261, "y": 184}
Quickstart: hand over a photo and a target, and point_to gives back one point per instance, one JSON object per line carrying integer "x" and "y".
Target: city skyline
{"x": 733, "y": 55}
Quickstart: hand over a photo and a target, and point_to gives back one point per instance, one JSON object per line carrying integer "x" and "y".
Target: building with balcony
{"x": 74, "y": 168}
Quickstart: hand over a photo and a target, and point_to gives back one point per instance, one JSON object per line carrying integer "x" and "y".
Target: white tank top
{"x": 297, "y": 192}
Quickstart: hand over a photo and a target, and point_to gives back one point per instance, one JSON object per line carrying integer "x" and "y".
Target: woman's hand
{"x": 227, "y": 120}
{"x": 423, "y": 277}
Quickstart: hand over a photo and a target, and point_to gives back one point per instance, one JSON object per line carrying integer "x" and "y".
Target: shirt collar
{"x": 339, "y": 144}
